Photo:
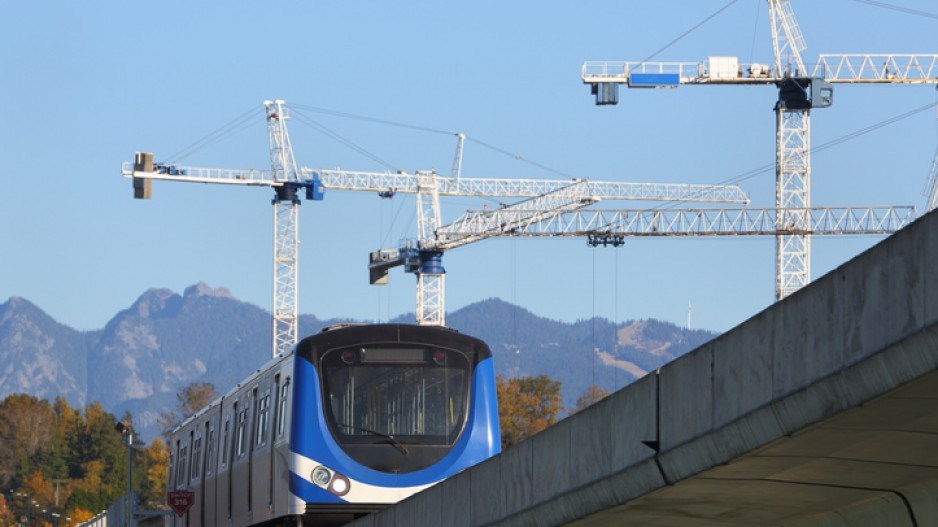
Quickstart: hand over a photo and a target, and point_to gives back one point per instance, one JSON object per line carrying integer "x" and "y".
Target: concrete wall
{"x": 867, "y": 327}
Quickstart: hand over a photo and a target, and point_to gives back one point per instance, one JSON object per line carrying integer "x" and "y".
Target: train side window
{"x": 263, "y": 415}
{"x": 210, "y": 449}
{"x": 282, "y": 410}
{"x": 181, "y": 466}
{"x": 239, "y": 432}
{"x": 196, "y": 459}
{"x": 225, "y": 440}
{"x": 174, "y": 466}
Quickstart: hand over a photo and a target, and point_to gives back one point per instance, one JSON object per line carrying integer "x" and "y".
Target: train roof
{"x": 260, "y": 371}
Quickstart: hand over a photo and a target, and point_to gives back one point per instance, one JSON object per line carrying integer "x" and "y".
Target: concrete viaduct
{"x": 821, "y": 410}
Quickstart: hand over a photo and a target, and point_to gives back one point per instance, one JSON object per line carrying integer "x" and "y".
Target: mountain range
{"x": 146, "y": 353}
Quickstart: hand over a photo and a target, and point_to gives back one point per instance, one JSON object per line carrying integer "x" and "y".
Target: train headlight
{"x": 330, "y": 480}
{"x": 321, "y": 476}
{"x": 340, "y": 485}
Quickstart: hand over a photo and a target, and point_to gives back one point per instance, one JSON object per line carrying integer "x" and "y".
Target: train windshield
{"x": 396, "y": 396}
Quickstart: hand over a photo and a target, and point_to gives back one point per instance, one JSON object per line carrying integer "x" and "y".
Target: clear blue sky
{"x": 86, "y": 84}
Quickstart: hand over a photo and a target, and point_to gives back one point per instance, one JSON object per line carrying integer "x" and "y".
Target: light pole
{"x": 125, "y": 427}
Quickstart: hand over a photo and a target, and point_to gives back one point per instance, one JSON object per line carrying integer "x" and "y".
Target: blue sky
{"x": 85, "y": 85}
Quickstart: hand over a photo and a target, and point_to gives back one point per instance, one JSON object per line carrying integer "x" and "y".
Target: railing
{"x": 839, "y": 68}
{"x": 203, "y": 174}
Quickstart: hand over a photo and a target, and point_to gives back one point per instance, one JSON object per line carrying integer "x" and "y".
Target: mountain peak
{"x": 19, "y": 305}
{"x": 153, "y": 302}
{"x": 203, "y": 289}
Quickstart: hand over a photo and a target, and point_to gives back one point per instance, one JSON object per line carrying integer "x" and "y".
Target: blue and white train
{"x": 354, "y": 419}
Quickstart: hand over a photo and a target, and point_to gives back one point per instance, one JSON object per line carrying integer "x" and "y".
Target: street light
{"x": 126, "y": 428}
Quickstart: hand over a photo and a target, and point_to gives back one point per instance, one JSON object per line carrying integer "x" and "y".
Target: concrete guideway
{"x": 821, "y": 410}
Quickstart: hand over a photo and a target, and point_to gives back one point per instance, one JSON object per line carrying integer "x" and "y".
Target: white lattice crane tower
{"x": 799, "y": 90}
{"x": 286, "y": 229}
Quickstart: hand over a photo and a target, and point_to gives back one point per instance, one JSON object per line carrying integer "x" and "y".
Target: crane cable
{"x": 516, "y": 157}
{"x": 684, "y": 34}
{"x": 335, "y": 136}
{"x": 749, "y": 174}
{"x": 755, "y": 31}
{"x": 901, "y": 9}
{"x": 216, "y": 135}
{"x": 593, "y": 322}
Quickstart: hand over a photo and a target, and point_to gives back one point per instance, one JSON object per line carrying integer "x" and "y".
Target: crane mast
{"x": 431, "y": 277}
{"x": 286, "y": 233}
{"x": 799, "y": 90}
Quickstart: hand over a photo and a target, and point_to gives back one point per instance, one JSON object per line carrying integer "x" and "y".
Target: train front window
{"x": 396, "y": 397}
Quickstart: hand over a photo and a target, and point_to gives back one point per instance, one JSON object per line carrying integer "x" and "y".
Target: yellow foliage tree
{"x": 156, "y": 461}
{"x": 39, "y": 488}
{"x": 7, "y": 517}
{"x": 526, "y": 405}
{"x": 79, "y": 515}
{"x": 590, "y": 396}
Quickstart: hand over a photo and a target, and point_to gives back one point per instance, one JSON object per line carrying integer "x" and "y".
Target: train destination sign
{"x": 180, "y": 501}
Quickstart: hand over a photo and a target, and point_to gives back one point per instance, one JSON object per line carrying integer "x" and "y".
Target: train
{"x": 353, "y": 419}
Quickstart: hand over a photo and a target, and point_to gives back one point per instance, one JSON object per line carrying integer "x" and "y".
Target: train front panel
{"x": 381, "y": 412}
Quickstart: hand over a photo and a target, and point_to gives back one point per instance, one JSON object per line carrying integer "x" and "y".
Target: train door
{"x": 201, "y": 460}
{"x": 280, "y": 446}
{"x": 260, "y": 453}
{"x": 209, "y": 483}
{"x": 176, "y": 464}
{"x": 240, "y": 467}
{"x": 223, "y": 479}
{"x": 252, "y": 443}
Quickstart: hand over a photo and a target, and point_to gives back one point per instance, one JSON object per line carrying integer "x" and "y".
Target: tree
{"x": 590, "y": 396}
{"x": 156, "y": 465}
{"x": 526, "y": 405}
{"x": 26, "y": 424}
{"x": 7, "y": 517}
{"x": 190, "y": 400}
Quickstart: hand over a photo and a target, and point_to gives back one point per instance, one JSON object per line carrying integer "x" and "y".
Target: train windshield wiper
{"x": 390, "y": 438}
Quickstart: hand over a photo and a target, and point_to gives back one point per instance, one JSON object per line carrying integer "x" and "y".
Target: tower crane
{"x": 290, "y": 183}
{"x": 559, "y": 214}
{"x": 286, "y": 182}
{"x": 799, "y": 90}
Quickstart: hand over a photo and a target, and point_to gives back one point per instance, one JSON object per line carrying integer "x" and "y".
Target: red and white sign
{"x": 180, "y": 501}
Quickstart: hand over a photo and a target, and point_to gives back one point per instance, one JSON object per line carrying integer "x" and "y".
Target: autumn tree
{"x": 189, "y": 400}
{"x": 526, "y": 405}
{"x": 156, "y": 467}
{"x": 589, "y": 397}
{"x": 26, "y": 424}
{"x": 7, "y": 516}
{"x": 66, "y": 460}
